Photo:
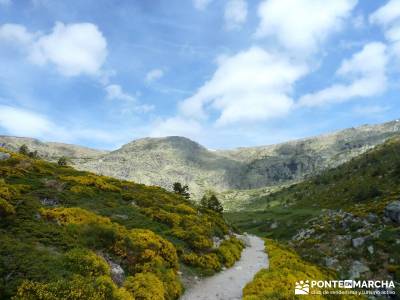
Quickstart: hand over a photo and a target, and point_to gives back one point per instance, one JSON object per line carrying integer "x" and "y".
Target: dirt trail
{"x": 228, "y": 284}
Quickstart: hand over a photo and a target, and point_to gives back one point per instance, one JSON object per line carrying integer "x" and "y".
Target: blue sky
{"x": 225, "y": 73}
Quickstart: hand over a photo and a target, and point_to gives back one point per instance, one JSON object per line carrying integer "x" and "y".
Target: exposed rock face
{"x": 392, "y": 211}
{"x": 163, "y": 161}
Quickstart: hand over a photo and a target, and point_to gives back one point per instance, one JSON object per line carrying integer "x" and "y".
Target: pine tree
{"x": 182, "y": 190}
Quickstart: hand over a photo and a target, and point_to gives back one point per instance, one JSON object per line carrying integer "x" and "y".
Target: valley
{"x": 327, "y": 207}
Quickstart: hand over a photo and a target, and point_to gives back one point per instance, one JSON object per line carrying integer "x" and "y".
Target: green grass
{"x": 363, "y": 186}
{"x": 288, "y": 221}
{"x": 145, "y": 229}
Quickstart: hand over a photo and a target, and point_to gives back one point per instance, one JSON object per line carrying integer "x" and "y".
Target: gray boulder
{"x": 392, "y": 211}
{"x": 357, "y": 268}
{"x": 357, "y": 242}
{"x": 4, "y": 156}
{"x": 117, "y": 273}
{"x": 49, "y": 201}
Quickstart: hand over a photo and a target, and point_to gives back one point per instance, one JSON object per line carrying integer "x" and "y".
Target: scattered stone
{"x": 304, "y": 234}
{"x": 117, "y": 273}
{"x": 4, "y": 156}
{"x": 123, "y": 217}
{"x": 376, "y": 234}
{"x": 331, "y": 262}
{"x": 392, "y": 211}
{"x": 357, "y": 242}
{"x": 370, "y": 249}
{"x": 373, "y": 218}
{"x": 49, "y": 202}
{"x": 357, "y": 268}
{"x": 216, "y": 242}
{"x": 274, "y": 225}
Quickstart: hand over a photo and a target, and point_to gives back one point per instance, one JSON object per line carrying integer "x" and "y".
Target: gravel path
{"x": 228, "y": 284}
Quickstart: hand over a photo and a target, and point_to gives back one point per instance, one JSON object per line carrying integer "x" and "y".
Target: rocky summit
{"x": 162, "y": 161}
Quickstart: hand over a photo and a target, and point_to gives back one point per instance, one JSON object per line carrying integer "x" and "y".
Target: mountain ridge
{"x": 181, "y": 159}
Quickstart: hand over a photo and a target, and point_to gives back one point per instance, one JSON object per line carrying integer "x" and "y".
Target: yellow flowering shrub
{"x": 145, "y": 286}
{"x": 208, "y": 262}
{"x": 75, "y": 288}
{"x": 140, "y": 250}
{"x": 99, "y": 182}
{"x": 6, "y": 209}
{"x": 85, "y": 263}
{"x": 285, "y": 268}
{"x": 230, "y": 251}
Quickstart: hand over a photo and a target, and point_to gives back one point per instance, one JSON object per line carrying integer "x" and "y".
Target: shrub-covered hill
{"x": 67, "y": 234}
{"x": 346, "y": 218}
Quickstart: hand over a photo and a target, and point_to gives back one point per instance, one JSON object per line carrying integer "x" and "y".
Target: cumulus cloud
{"x": 15, "y": 33}
{"x": 365, "y": 71}
{"x": 251, "y": 85}
{"x": 154, "y": 75}
{"x": 388, "y": 16}
{"x": 301, "y": 25}
{"x": 73, "y": 48}
{"x": 201, "y": 4}
{"x": 128, "y": 102}
{"x": 115, "y": 92}
{"x": 22, "y": 122}
{"x": 387, "y": 13}
{"x": 235, "y": 13}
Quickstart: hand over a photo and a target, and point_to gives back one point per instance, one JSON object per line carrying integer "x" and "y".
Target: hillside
{"x": 346, "y": 218}
{"x": 162, "y": 161}
{"x": 50, "y": 150}
{"x": 68, "y": 234}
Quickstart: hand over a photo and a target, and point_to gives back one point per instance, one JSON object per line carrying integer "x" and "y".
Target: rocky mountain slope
{"x": 346, "y": 218}
{"x": 50, "y": 150}
{"x": 162, "y": 161}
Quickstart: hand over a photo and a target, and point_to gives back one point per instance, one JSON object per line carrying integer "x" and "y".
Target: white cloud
{"x": 129, "y": 102}
{"x": 176, "y": 126}
{"x": 22, "y": 122}
{"x": 235, "y": 13}
{"x": 74, "y": 49}
{"x": 201, "y": 4}
{"x": 5, "y": 2}
{"x": 251, "y": 85}
{"x": 16, "y": 34}
{"x": 301, "y": 25}
{"x": 386, "y": 14}
{"x": 115, "y": 92}
{"x": 366, "y": 73}
{"x": 154, "y": 75}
